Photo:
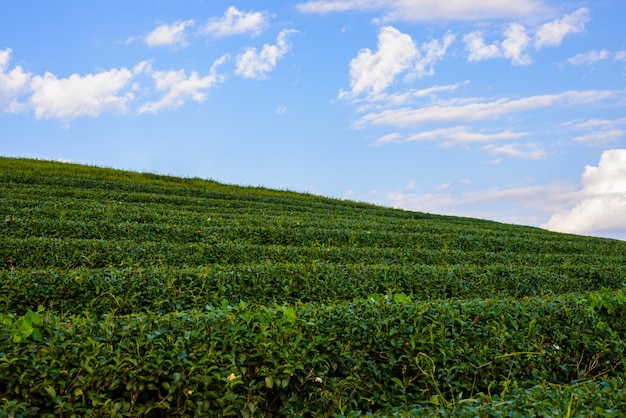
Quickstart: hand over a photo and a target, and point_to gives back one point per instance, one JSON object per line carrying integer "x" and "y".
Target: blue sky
{"x": 496, "y": 109}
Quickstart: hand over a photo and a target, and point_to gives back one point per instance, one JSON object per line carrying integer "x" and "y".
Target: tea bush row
{"x": 163, "y": 289}
{"x": 278, "y": 223}
{"x": 364, "y": 356}
{"x": 66, "y": 253}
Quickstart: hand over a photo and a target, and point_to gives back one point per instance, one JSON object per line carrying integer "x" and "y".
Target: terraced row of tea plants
{"x": 131, "y": 294}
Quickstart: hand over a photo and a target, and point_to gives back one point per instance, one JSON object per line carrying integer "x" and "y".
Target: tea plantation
{"x": 126, "y": 294}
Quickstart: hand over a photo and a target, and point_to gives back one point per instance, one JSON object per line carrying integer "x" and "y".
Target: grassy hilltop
{"x": 133, "y": 294}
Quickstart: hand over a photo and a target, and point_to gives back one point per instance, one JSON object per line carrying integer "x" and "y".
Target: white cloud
{"x": 516, "y": 39}
{"x": 235, "y": 22}
{"x": 170, "y": 35}
{"x": 180, "y": 87}
{"x": 514, "y": 45}
{"x": 392, "y": 137}
{"x": 598, "y": 131}
{"x": 552, "y": 33}
{"x": 528, "y": 205}
{"x": 620, "y": 56}
{"x": 372, "y": 72}
{"x": 479, "y": 109}
{"x": 383, "y": 99}
{"x": 478, "y": 50}
{"x": 425, "y": 10}
{"x": 601, "y": 136}
{"x": 255, "y": 64}
{"x": 590, "y": 57}
{"x": 12, "y": 83}
{"x": 526, "y": 151}
{"x": 454, "y": 136}
{"x": 76, "y": 95}
{"x": 281, "y": 110}
{"x": 431, "y": 53}
{"x": 602, "y": 200}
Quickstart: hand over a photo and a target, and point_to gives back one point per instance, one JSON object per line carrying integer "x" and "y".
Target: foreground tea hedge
{"x": 134, "y": 294}
{"x": 364, "y": 356}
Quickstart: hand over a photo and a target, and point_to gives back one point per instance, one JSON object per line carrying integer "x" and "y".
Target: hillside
{"x": 134, "y": 294}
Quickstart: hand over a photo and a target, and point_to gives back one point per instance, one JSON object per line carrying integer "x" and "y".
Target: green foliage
{"x": 165, "y": 296}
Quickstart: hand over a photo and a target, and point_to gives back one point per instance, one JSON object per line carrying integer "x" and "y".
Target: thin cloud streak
{"x": 428, "y": 10}
{"x": 459, "y": 135}
{"x": 483, "y": 110}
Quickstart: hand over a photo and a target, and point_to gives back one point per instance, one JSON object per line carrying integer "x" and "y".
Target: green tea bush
{"x": 134, "y": 294}
{"x": 366, "y": 356}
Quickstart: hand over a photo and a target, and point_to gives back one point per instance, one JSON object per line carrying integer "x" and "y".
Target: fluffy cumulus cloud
{"x": 80, "y": 95}
{"x": 111, "y": 91}
{"x": 12, "y": 83}
{"x": 372, "y": 72}
{"x": 49, "y": 96}
{"x": 170, "y": 35}
{"x": 513, "y": 46}
{"x": 517, "y": 40}
{"x": 424, "y": 10}
{"x": 236, "y": 22}
{"x": 602, "y": 200}
{"x": 255, "y": 64}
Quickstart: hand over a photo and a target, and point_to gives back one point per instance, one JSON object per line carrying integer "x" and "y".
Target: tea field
{"x": 127, "y": 294}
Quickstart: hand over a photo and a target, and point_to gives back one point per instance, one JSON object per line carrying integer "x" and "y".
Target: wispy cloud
{"x": 480, "y": 109}
{"x": 525, "y": 151}
{"x": 527, "y": 204}
{"x": 425, "y": 10}
{"x": 410, "y": 95}
{"x": 598, "y": 131}
{"x": 256, "y": 64}
{"x": 236, "y": 22}
{"x": 455, "y": 136}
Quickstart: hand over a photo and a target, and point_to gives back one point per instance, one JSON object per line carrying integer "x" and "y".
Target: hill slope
{"x": 272, "y": 302}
